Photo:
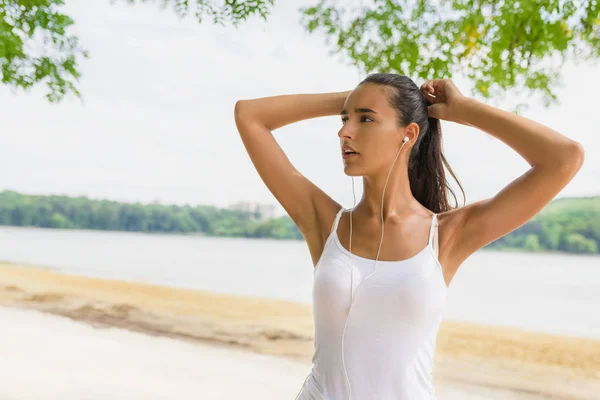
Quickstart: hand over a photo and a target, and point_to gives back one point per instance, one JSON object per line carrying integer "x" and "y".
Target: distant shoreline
{"x": 565, "y": 225}
{"x": 204, "y": 235}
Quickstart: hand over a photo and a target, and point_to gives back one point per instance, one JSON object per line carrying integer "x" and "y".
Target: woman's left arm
{"x": 554, "y": 160}
{"x": 538, "y": 144}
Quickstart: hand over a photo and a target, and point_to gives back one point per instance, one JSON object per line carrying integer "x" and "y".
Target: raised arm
{"x": 553, "y": 157}
{"x": 256, "y": 118}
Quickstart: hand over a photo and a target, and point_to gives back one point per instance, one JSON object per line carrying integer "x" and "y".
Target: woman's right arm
{"x": 256, "y": 118}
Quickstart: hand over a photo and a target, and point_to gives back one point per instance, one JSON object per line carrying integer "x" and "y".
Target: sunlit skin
{"x": 378, "y": 137}
{"x": 554, "y": 160}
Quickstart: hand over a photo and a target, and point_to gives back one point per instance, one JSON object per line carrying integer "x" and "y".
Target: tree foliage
{"x": 497, "y": 44}
{"x": 570, "y": 225}
{"x": 36, "y": 45}
{"x": 232, "y": 11}
{"x": 82, "y": 213}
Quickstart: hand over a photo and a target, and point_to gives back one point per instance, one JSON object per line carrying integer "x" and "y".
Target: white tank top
{"x": 382, "y": 343}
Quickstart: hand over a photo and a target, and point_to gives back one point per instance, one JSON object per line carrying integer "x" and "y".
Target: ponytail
{"x": 426, "y": 163}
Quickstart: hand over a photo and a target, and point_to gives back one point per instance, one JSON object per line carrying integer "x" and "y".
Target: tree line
{"x": 64, "y": 212}
{"x": 570, "y": 225}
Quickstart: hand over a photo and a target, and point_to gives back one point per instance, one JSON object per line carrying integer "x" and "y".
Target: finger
{"x": 427, "y": 87}
{"x": 438, "y": 89}
{"x": 428, "y": 94}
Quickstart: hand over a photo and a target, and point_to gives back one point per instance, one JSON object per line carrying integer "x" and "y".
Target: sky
{"x": 155, "y": 122}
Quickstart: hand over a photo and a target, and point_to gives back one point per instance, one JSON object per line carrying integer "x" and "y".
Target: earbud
{"x": 406, "y": 139}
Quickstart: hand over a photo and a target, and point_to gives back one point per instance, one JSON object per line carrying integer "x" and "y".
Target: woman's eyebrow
{"x": 358, "y": 110}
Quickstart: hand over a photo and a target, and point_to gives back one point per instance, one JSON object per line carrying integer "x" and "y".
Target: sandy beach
{"x": 55, "y": 329}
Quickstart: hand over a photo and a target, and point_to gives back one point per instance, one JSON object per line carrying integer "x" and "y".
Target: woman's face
{"x": 374, "y": 135}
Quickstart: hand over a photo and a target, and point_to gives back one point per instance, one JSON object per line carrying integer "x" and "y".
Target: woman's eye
{"x": 361, "y": 119}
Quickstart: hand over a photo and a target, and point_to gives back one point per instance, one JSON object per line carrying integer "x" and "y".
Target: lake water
{"x": 548, "y": 292}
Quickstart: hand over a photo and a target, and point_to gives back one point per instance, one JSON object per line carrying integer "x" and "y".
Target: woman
{"x": 377, "y": 305}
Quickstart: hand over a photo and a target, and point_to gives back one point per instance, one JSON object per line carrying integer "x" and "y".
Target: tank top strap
{"x": 433, "y": 236}
{"x": 336, "y": 221}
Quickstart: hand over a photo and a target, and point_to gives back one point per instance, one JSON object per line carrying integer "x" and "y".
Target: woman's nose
{"x": 344, "y": 132}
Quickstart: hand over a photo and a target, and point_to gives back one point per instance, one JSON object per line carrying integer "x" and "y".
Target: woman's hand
{"x": 447, "y": 99}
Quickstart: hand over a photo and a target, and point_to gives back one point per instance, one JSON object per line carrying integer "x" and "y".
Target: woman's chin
{"x": 351, "y": 170}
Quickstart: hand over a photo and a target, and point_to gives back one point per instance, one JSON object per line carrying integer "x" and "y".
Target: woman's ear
{"x": 412, "y": 131}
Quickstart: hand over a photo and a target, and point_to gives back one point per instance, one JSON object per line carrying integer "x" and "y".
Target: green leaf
{"x": 23, "y": 21}
{"x": 498, "y": 45}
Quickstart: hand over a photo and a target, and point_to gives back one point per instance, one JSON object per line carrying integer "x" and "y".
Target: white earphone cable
{"x": 404, "y": 141}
